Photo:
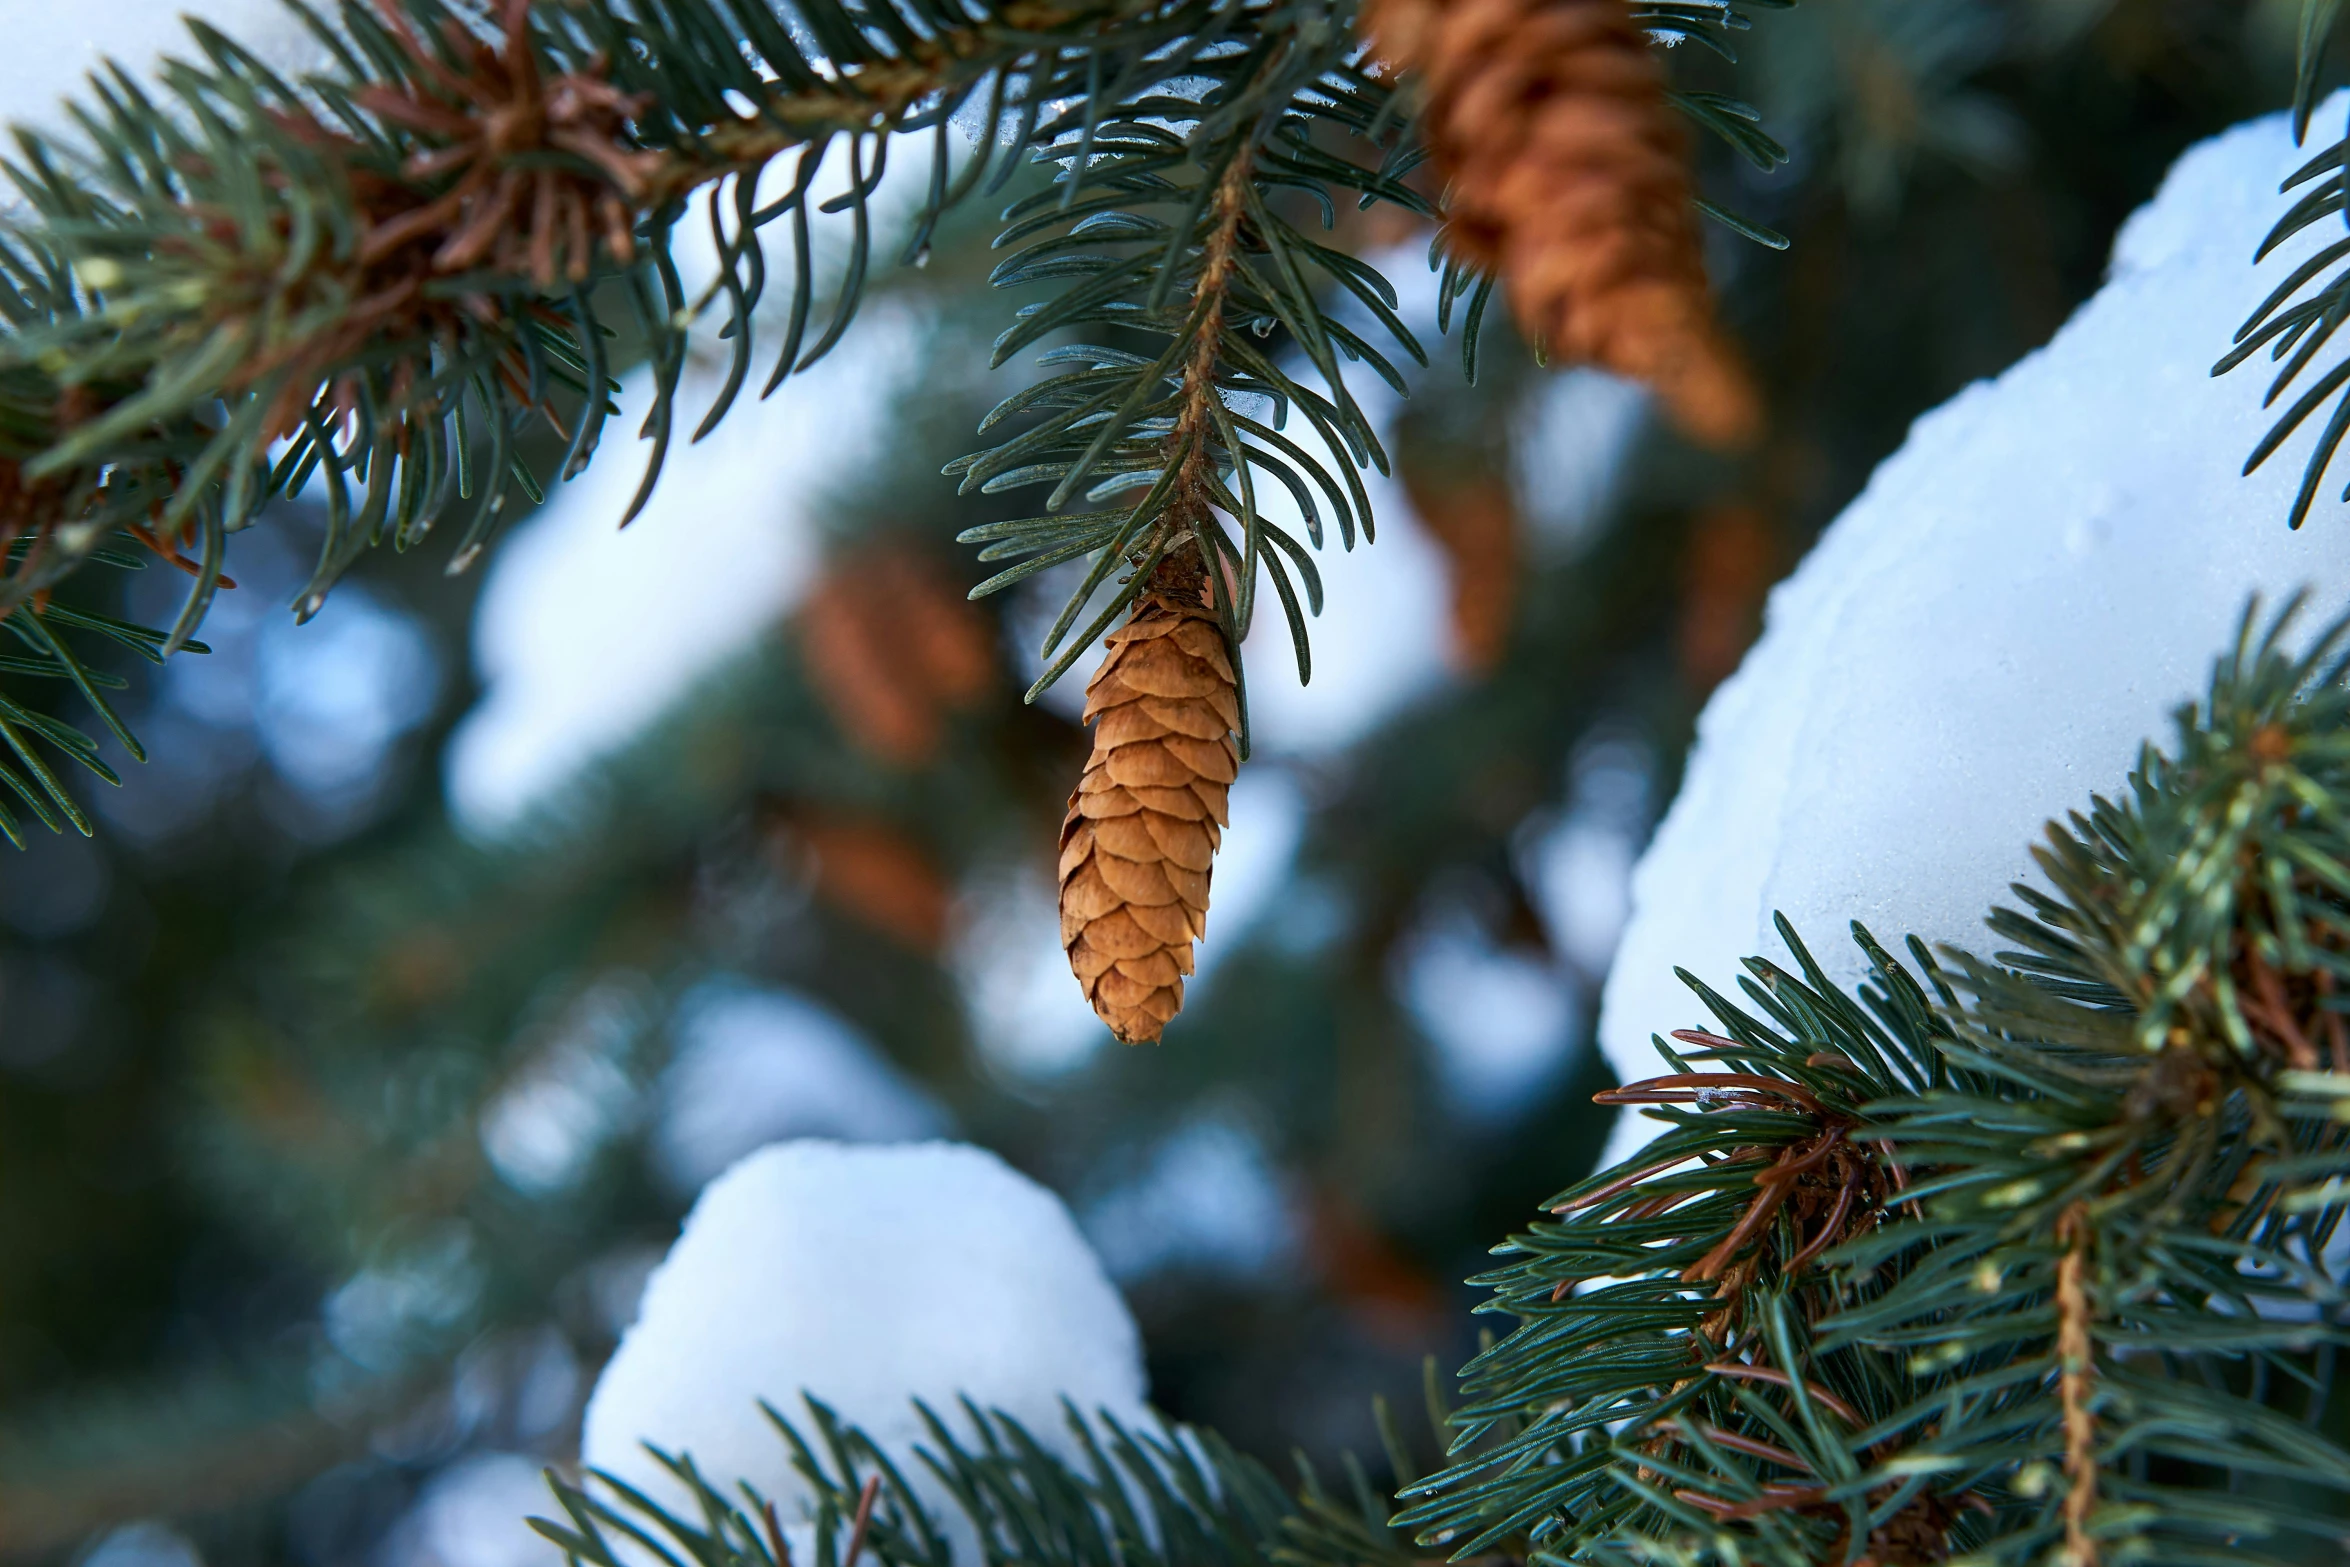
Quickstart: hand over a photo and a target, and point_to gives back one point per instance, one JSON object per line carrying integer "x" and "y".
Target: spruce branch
{"x": 396, "y": 277}
{"x": 1225, "y": 140}
{"x": 2083, "y": 1300}
{"x": 1167, "y": 1496}
{"x": 2301, "y": 314}
{"x": 387, "y": 276}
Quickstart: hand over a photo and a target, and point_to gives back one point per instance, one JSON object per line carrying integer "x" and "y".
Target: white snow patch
{"x": 585, "y": 632}
{"x": 1255, "y": 862}
{"x": 1030, "y": 1020}
{"x": 867, "y": 1277}
{"x": 760, "y": 1066}
{"x": 1577, "y": 430}
{"x": 570, "y": 1096}
{"x": 143, "y": 1544}
{"x": 2021, "y": 596}
{"x": 52, "y": 49}
{"x": 1378, "y": 645}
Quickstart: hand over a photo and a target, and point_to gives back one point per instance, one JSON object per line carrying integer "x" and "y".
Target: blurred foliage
{"x": 251, "y": 1043}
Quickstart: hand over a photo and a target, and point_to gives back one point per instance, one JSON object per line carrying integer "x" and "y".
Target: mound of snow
{"x": 866, "y": 1277}
{"x": 2020, "y": 597}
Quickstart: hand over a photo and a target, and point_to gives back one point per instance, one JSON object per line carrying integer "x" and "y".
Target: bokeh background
{"x": 354, "y": 1076}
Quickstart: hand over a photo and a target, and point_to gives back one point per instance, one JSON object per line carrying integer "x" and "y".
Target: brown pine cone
{"x": 892, "y": 648}
{"x": 1569, "y": 180}
{"x": 1146, "y": 820}
{"x": 1731, "y": 560}
{"x": 1475, "y": 523}
{"x": 871, "y": 870}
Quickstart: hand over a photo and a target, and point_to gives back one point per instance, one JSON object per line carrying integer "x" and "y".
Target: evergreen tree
{"x": 348, "y": 310}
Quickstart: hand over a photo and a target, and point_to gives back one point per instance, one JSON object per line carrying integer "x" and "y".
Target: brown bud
{"x": 1146, "y": 820}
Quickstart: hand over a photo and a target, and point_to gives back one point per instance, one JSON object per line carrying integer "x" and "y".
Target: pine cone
{"x": 891, "y": 648}
{"x": 871, "y": 870}
{"x": 1476, "y": 525}
{"x": 1146, "y": 820}
{"x": 1569, "y": 177}
{"x": 1731, "y": 561}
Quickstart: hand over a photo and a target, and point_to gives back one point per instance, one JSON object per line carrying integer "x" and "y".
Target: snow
{"x": 758, "y": 1066}
{"x": 1378, "y": 645}
{"x": 334, "y": 698}
{"x": 572, "y": 1094}
{"x": 587, "y": 632}
{"x": 1576, "y": 432}
{"x": 867, "y": 1277}
{"x": 53, "y": 48}
{"x": 143, "y": 1544}
{"x": 2020, "y": 597}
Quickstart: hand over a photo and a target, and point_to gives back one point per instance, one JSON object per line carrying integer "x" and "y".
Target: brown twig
{"x": 2076, "y": 1355}
{"x": 1190, "y": 444}
{"x": 1741, "y": 1371}
{"x": 1621, "y": 1184}
{"x": 867, "y": 1494}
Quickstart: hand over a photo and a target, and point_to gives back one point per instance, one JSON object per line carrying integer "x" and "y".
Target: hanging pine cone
{"x": 1146, "y": 820}
{"x": 1569, "y": 180}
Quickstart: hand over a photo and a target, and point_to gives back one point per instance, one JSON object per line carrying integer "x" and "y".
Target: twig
{"x": 2077, "y": 1356}
{"x": 1740, "y": 1370}
{"x": 866, "y": 1495}
{"x": 1190, "y": 443}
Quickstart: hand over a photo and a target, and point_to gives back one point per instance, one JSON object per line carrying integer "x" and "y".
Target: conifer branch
{"x": 1198, "y": 426}
{"x": 383, "y": 277}
{"x": 1164, "y": 1497}
{"x": 2300, "y": 316}
{"x": 2138, "y": 1091}
{"x": 386, "y": 281}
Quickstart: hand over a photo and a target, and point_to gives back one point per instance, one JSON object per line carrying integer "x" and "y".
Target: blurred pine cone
{"x": 1145, "y": 822}
{"x": 1732, "y": 559}
{"x": 870, "y": 869}
{"x": 891, "y": 649}
{"x": 1475, "y": 523}
{"x": 1569, "y": 179}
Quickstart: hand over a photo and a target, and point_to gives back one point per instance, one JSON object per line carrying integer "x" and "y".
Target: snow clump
{"x": 866, "y": 1277}
{"x": 2021, "y": 596}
